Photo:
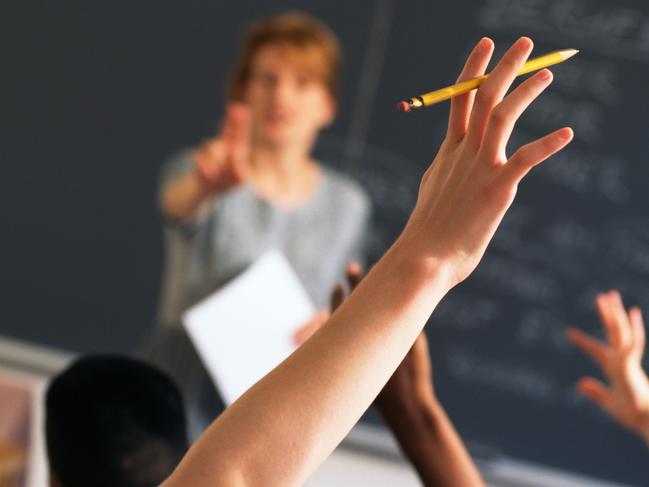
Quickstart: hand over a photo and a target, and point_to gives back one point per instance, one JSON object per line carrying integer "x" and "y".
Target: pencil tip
{"x": 567, "y": 53}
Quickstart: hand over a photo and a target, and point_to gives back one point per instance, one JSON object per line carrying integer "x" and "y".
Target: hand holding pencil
{"x": 462, "y": 198}
{"x": 472, "y": 182}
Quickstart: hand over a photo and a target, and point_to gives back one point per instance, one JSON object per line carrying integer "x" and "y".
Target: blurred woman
{"x": 255, "y": 187}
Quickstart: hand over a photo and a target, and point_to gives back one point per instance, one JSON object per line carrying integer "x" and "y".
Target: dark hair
{"x": 114, "y": 421}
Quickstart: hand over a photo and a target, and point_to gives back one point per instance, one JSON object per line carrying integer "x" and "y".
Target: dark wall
{"x": 95, "y": 96}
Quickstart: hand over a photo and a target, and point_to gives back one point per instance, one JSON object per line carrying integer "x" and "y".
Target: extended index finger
{"x": 637, "y": 329}
{"x": 493, "y": 90}
{"x": 610, "y": 318}
{"x": 236, "y": 137}
{"x": 475, "y": 66}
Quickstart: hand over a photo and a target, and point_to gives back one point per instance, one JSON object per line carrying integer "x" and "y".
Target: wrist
{"x": 408, "y": 256}
{"x": 415, "y": 420}
{"x": 201, "y": 184}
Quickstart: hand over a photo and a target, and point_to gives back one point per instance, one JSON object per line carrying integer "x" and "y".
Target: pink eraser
{"x": 404, "y": 106}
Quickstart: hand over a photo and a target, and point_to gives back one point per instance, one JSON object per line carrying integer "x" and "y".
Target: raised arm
{"x": 282, "y": 428}
{"x": 219, "y": 164}
{"x": 417, "y": 419}
{"x": 626, "y": 397}
{"x": 420, "y": 424}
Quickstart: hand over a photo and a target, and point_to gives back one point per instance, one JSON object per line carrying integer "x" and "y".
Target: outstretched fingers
{"x": 529, "y": 155}
{"x": 493, "y": 90}
{"x": 475, "y": 66}
{"x": 505, "y": 115}
{"x": 613, "y": 319}
{"x": 592, "y": 347}
{"x": 621, "y": 318}
{"x": 596, "y": 391}
{"x": 637, "y": 330}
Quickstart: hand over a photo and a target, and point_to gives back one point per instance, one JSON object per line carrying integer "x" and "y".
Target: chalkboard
{"x": 580, "y": 223}
{"x": 95, "y": 96}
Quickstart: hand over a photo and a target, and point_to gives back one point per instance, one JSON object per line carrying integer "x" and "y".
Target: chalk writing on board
{"x": 571, "y": 237}
{"x": 628, "y": 244}
{"x": 391, "y": 180}
{"x": 589, "y": 173}
{"x": 464, "y": 312}
{"x": 512, "y": 229}
{"x": 514, "y": 278}
{"x": 617, "y": 31}
{"x": 519, "y": 380}
{"x": 586, "y": 117}
{"x": 466, "y": 366}
{"x": 542, "y": 328}
{"x": 597, "y": 79}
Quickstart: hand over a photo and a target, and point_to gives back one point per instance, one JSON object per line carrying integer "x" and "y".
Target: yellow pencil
{"x": 459, "y": 89}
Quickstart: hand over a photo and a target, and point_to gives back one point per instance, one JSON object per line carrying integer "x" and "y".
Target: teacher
{"x": 255, "y": 187}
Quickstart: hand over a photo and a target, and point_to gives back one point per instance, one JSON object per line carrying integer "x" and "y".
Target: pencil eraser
{"x": 404, "y": 106}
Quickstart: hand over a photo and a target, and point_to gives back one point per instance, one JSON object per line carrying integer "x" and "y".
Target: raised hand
{"x": 471, "y": 182}
{"x": 284, "y": 426}
{"x": 415, "y": 416}
{"x": 626, "y": 397}
{"x": 222, "y": 163}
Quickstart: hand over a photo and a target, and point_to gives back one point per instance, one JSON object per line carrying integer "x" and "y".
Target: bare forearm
{"x": 431, "y": 443}
{"x": 288, "y": 423}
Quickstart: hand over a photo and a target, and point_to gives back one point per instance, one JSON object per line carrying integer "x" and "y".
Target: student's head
{"x": 288, "y": 74}
{"x": 113, "y": 421}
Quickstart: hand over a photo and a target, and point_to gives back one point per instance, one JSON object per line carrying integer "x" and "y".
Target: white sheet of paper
{"x": 245, "y": 329}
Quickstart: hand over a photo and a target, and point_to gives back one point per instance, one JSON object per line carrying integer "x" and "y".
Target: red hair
{"x": 309, "y": 44}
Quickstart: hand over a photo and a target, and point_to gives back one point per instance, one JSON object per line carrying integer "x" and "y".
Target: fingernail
{"x": 484, "y": 45}
{"x": 523, "y": 44}
{"x": 566, "y": 133}
{"x": 544, "y": 75}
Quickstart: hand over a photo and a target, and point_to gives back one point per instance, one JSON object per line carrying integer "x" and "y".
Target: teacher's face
{"x": 288, "y": 105}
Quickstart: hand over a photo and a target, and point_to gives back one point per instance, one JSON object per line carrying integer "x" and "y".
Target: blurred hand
{"x": 354, "y": 275}
{"x": 222, "y": 162}
{"x": 626, "y": 398}
{"x": 304, "y": 332}
{"x": 471, "y": 183}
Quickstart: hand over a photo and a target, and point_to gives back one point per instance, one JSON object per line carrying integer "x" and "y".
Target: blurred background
{"x": 95, "y": 96}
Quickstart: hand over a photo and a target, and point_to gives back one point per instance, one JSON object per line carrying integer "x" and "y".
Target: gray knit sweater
{"x": 318, "y": 239}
